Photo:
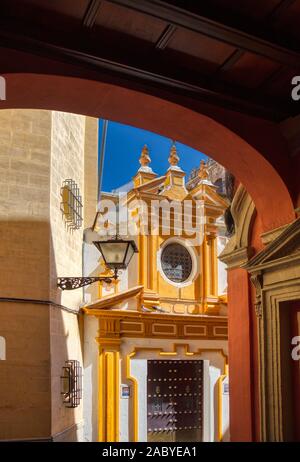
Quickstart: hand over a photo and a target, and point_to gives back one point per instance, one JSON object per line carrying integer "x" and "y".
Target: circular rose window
{"x": 176, "y": 262}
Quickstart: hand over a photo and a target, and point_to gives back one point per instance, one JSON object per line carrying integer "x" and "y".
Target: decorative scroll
{"x": 70, "y": 283}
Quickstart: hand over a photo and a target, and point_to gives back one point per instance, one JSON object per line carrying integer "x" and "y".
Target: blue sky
{"x": 123, "y": 148}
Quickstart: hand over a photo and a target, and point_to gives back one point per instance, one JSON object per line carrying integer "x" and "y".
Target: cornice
{"x": 237, "y": 257}
{"x": 284, "y": 249}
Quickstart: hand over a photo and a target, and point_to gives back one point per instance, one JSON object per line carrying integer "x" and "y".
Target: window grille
{"x": 71, "y": 204}
{"x": 71, "y": 383}
{"x": 176, "y": 262}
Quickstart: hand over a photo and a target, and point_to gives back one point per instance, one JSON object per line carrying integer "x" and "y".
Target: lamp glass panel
{"x": 113, "y": 252}
{"x": 129, "y": 254}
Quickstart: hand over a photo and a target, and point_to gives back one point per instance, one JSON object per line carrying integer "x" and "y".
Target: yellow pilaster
{"x": 142, "y": 256}
{"x": 109, "y": 387}
{"x": 214, "y": 266}
{"x": 207, "y": 269}
{"x": 210, "y": 275}
{"x": 151, "y": 263}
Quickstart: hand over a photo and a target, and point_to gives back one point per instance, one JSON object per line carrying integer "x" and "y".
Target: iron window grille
{"x": 71, "y": 204}
{"x": 71, "y": 382}
{"x": 176, "y": 262}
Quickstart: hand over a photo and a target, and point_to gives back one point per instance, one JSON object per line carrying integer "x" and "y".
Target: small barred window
{"x": 176, "y": 262}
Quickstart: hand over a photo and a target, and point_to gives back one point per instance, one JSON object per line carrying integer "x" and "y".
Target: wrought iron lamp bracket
{"x": 70, "y": 283}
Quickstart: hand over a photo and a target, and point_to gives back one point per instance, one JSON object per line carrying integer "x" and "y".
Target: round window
{"x": 176, "y": 262}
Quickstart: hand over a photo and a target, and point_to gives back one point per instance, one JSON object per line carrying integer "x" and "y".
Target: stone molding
{"x": 114, "y": 325}
{"x": 237, "y": 252}
{"x": 269, "y": 236}
{"x": 275, "y": 273}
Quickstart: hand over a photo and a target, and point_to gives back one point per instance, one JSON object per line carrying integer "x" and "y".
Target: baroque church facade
{"x": 161, "y": 328}
{"x": 144, "y": 358}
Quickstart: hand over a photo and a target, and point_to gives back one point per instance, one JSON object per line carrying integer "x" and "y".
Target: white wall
{"x": 214, "y": 374}
{"x": 90, "y": 379}
{"x": 225, "y": 410}
{"x": 139, "y": 371}
{"x": 124, "y": 416}
{"x": 222, "y": 273}
{"x": 206, "y": 403}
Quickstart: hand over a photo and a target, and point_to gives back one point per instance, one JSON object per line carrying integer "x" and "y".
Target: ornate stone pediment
{"x": 285, "y": 246}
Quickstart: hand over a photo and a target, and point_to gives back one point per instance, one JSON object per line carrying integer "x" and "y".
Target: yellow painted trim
{"x": 214, "y": 266}
{"x": 112, "y": 395}
{"x": 108, "y": 391}
{"x": 123, "y": 314}
{"x": 101, "y": 396}
{"x": 114, "y": 321}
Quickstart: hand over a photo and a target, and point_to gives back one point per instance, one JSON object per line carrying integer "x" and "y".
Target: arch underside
{"x": 266, "y": 182}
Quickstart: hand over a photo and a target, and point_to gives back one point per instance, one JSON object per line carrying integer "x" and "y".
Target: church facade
{"x": 159, "y": 333}
{"x": 142, "y": 359}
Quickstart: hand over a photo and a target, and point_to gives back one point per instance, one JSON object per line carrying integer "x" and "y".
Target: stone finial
{"x": 145, "y": 160}
{"x": 173, "y": 157}
{"x": 203, "y": 173}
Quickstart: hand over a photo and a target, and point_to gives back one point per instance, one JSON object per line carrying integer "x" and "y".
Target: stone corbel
{"x": 257, "y": 280}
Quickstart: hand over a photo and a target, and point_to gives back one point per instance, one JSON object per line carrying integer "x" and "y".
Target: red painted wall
{"x": 239, "y": 335}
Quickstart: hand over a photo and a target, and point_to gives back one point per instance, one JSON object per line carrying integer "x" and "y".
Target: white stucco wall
{"x": 222, "y": 273}
{"x": 206, "y": 403}
{"x": 214, "y": 374}
{"x": 90, "y": 379}
{"x": 225, "y": 410}
{"x": 139, "y": 371}
{"x": 124, "y": 416}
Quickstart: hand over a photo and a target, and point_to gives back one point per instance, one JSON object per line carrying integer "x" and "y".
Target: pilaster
{"x": 109, "y": 380}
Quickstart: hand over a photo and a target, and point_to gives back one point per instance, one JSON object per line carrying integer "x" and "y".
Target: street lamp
{"x": 116, "y": 254}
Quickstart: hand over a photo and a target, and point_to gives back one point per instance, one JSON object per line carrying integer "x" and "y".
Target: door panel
{"x": 175, "y": 400}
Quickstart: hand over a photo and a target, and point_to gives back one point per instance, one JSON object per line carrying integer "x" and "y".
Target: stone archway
{"x": 265, "y": 179}
{"x": 265, "y": 174}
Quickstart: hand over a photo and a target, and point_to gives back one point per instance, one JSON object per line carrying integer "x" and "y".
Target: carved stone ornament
{"x": 238, "y": 250}
{"x": 257, "y": 281}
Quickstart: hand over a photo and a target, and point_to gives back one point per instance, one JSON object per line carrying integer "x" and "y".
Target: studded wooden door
{"x": 175, "y": 400}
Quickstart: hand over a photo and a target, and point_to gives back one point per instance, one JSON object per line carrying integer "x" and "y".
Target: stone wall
{"x": 67, "y": 162}
{"x": 25, "y": 394}
{"x": 38, "y": 150}
{"x": 73, "y": 150}
{"x": 25, "y": 140}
